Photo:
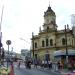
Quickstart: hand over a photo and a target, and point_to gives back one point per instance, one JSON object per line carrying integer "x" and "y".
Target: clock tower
{"x": 49, "y": 19}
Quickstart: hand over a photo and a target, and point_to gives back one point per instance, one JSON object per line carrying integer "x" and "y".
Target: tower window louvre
{"x": 35, "y": 45}
{"x": 43, "y": 43}
{"x": 46, "y": 42}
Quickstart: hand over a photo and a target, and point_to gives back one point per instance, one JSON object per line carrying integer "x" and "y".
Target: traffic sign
{"x": 8, "y": 42}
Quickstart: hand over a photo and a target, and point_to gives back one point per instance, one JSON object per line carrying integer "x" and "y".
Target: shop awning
{"x": 63, "y": 52}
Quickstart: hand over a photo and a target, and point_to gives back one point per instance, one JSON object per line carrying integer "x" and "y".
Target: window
{"x": 63, "y": 41}
{"x": 43, "y": 43}
{"x": 35, "y": 45}
{"x": 51, "y": 42}
{"x": 46, "y": 42}
{"x": 48, "y": 28}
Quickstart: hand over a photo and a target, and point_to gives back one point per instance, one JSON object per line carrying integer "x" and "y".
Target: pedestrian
{"x": 61, "y": 65}
{"x": 50, "y": 64}
{"x": 19, "y": 63}
{"x": 42, "y": 64}
{"x": 58, "y": 64}
{"x": 45, "y": 64}
{"x": 35, "y": 63}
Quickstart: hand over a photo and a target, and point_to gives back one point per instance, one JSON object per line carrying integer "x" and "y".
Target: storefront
{"x": 60, "y": 55}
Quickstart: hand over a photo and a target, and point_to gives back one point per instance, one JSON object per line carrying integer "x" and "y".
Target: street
{"x": 33, "y": 71}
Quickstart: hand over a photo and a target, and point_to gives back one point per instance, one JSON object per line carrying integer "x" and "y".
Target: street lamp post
{"x": 66, "y": 46}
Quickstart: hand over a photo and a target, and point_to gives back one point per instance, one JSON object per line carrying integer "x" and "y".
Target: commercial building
{"x": 25, "y": 54}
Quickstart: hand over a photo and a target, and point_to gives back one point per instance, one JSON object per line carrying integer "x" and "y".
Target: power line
{"x": 24, "y": 40}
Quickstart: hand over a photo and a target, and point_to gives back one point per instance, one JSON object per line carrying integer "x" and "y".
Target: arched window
{"x": 47, "y": 27}
{"x": 63, "y": 41}
{"x": 51, "y": 42}
{"x": 35, "y": 45}
{"x": 46, "y": 42}
{"x": 43, "y": 43}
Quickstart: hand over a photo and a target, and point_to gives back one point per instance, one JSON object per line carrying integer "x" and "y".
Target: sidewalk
{"x": 56, "y": 72}
{"x": 66, "y": 72}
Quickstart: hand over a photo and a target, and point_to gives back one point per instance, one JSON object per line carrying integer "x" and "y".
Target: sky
{"x": 22, "y": 17}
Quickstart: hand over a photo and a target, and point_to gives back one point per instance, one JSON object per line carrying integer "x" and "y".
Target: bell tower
{"x": 49, "y": 19}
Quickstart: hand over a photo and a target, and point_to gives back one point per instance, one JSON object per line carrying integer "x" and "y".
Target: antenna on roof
{"x": 49, "y": 3}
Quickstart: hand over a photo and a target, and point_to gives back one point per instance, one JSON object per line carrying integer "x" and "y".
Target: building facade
{"x": 51, "y": 43}
{"x": 25, "y": 54}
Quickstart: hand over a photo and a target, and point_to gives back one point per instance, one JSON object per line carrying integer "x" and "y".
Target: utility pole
{"x": 1, "y": 32}
{"x": 33, "y": 44}
{"x": 66, "y": 45}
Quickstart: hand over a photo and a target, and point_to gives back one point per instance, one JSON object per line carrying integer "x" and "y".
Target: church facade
{"x": 51, "y": 43}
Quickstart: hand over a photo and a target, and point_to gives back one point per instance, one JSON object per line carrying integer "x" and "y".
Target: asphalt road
{"x": 33, "y": 71}
{"x": 23, "y": 71}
